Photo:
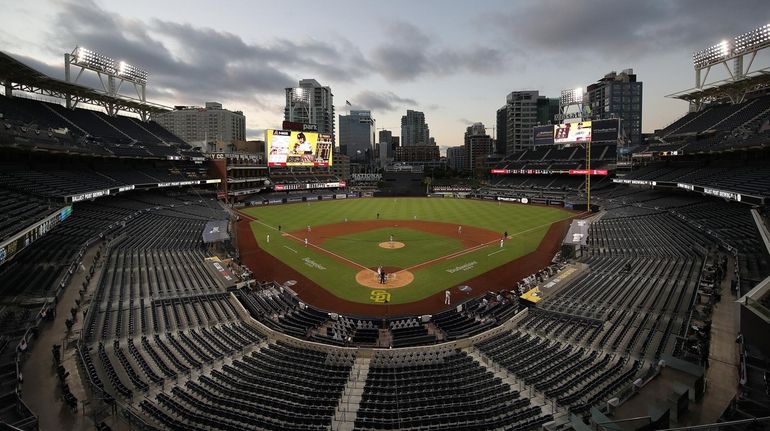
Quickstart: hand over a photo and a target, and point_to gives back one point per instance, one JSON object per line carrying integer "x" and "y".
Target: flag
{"x": 348, "y": 103}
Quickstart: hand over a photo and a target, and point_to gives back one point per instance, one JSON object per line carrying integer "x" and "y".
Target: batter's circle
{"x": 370, "y": 279}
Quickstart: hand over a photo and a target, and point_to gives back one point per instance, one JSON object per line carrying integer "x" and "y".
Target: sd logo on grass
{"x": 379, "y": 296}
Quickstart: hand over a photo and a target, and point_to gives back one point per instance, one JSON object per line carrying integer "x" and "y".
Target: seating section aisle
{"x": 440, "y": 389}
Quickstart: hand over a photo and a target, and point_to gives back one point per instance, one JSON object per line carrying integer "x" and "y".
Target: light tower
{"x": 111, "y": 74}
{"x": 299, "y": 104}
{"x": 742, "y": 52}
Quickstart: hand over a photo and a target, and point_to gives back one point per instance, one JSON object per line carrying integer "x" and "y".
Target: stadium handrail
{"x": 720, "y": 425}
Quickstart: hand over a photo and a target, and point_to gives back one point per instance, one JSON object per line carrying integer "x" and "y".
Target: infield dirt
{"x": 267, "y": 267}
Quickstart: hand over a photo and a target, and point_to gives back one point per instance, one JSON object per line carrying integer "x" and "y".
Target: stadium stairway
{"x": 39, "y": 391}
{"x": 536, "y": 397}
{"x": 347, "y": 409}
{"x": 195, "y": 374}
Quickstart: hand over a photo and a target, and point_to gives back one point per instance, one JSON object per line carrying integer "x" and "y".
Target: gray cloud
{"x": 623, "y": 30}
{"x": 410, "y": 53}
{"x": 384, "y": 101}
{"x": 190, "y": 64}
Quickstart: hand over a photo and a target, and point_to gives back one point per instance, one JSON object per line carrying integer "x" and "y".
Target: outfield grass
{"x": 526, "y": 224}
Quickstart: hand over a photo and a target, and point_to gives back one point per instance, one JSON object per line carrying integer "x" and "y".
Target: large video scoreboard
{"x": 295, "y": 148}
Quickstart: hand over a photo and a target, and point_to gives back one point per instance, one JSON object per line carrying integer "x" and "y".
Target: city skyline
{"x": 457, "y": 67}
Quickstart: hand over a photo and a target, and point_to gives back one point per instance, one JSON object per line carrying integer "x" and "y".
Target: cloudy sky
{"x": 454, "y": 60}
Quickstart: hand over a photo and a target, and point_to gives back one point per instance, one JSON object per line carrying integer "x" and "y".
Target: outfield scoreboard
{"x": 295, "y": 148}
{"x": 543, "y": 135}
{"x": 572, "y": 132}
{"x": 608, "y": 130}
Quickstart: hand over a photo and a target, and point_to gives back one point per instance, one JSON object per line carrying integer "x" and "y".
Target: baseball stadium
{"x": 585, "y": 281}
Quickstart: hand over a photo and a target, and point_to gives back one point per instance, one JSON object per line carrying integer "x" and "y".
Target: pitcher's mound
{"x": 369, "y": 278}
{"x": 392, "y": 244}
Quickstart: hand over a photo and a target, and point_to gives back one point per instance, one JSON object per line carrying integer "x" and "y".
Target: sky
{"x": 454, "y": 60}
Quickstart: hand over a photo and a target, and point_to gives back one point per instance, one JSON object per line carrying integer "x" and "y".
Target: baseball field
{"x": 423, "y": 246}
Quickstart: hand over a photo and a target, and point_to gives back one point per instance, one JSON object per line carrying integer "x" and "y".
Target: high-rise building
{"x": 356, "y": 138}
{"x": 385, "y": 136}
{"x": 619, "y": 95}
{"x": 310, "y": 103}
{"x": 455, "y": 157}
{"x": 414, "y": 129}
{"x": 522, "y": 116}
{"x": 502, "y": 130}
{"x": 385, "y": 146}
{"x": 207, "y": 127}
{"x": 478, "y": 146}
{"x": 547, "y": 109}
{"x": 341, "y": 166}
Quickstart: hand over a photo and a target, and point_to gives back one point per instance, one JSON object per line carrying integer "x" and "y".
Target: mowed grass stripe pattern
{"x": 363, "y": 247}
{"x": 484, "y": 214}
{"x": 526, "y": 224}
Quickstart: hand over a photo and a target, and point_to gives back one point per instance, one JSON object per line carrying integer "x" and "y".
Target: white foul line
{"x": 313, "y": 245}
{"x": 480, "y": 246}
{"x": 495, "y": 252}
{"x": 449, "y": 256}
{"x": 295, "y": 251}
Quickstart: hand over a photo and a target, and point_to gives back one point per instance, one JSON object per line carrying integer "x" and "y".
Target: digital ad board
{"x": 572, "y": 132}
{"x": 605, "y": 130}
{"x": 543, "y": 135}
{"x": 295, "y": 148}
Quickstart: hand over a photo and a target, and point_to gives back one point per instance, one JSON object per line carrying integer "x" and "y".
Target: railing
{"x": 742, "y": 424}
{"x": 758, "y": 307}
{"x": 687, "y": 326}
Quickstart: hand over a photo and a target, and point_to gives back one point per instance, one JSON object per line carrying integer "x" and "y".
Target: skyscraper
{"x": 357, "y": 135}
{"x": 522, "y": 116}
{"x": 547, "y": 109}
{"x": 478, "y": 146}
{"x": 619, "y": 95}
{"x": 310, "y": 103}
{"x": 384, "y": 139}
{"x": 414, "y": 129}
{"x": 502, "y": 130}
{"x": 205, "y": 126}
{"x": 456, "y": 158}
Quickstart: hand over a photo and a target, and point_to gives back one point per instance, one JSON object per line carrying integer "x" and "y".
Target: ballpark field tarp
{"x": 578, "y": 233}
{"x": 215, "y": 231}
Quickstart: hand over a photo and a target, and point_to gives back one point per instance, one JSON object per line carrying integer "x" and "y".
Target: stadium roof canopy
{"x": 15, "y": 75}
{"x": 734, "y": 91}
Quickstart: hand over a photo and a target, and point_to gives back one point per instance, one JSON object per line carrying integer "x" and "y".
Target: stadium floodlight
{"x": 742, "y": 44}
{"x": 298, "y": 94}
{"x": 754, "y": 39}
{"x": 93, "y": 60}
{"x": 571, "y": 96}
{"x": 713, "y": 54}
{"x": 131, "y": 73}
